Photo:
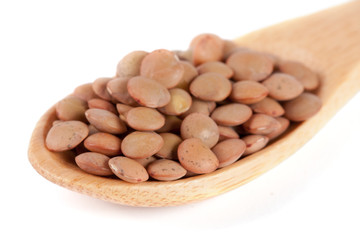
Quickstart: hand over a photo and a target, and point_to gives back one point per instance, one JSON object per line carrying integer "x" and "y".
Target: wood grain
{"x": 328, "y": 41}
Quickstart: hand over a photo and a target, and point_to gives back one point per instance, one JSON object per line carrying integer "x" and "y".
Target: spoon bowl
{"x": 328, "y": 42}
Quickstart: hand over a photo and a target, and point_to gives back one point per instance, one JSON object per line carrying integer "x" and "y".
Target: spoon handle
{"x": 332, "y": 35}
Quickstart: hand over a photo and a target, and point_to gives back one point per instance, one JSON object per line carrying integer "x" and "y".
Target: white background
{"x": 49, "y": 47}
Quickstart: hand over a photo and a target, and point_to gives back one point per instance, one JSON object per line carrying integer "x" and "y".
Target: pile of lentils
{"x": 167, "y": 115}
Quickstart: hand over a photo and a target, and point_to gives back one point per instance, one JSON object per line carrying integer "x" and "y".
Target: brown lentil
{"x": 94, "y": 163}
{"x": 228, "y": 151}
{"x": 216, "y": 67}
{"x": 303, "y": 107}
{"x": 248, "y": 92}
{"x": 248, "y": 65}
{"x": 102, "y": 104}
{"x": 141, "y": 144}
{"x": 128, "y": 169}
{"x": 283, "y": 86}
{"x": 280, "y": 129}
{"x": 269, "y": 107}
{"x": 148, "y": 92}
{"x": 210, "y": 87}
{"x": 105, "y": 121}
{"x": 71, "y": 108}
{"x": 145, "y": 119}
{"x": 129, "y": 66}
{"x": 117, "y": 88}
{"x": 180, "y": 102}
{"x": 206, "y": 48}
{"x": 162, "y": 66}
{"x": 104, "y": 143}
{"x": 85, "y": 92}
{"x": 231, "y": 114}
{"x": 66, "y": 135}
{"x": 195, "y": 156}
{"x": 171, "y": 144}
{"x": 99, "y": 88}
{"x": 261, "y": 124}
{"x": 198, "y": 125}
{"x": 165, "y": 170}
{"x": 254, "y": 143}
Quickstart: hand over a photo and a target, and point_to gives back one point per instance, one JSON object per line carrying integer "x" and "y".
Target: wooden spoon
{"x": 328, "y": 42}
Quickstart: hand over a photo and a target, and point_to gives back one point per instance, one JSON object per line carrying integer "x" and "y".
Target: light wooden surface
{"x": 328, "y": 42}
